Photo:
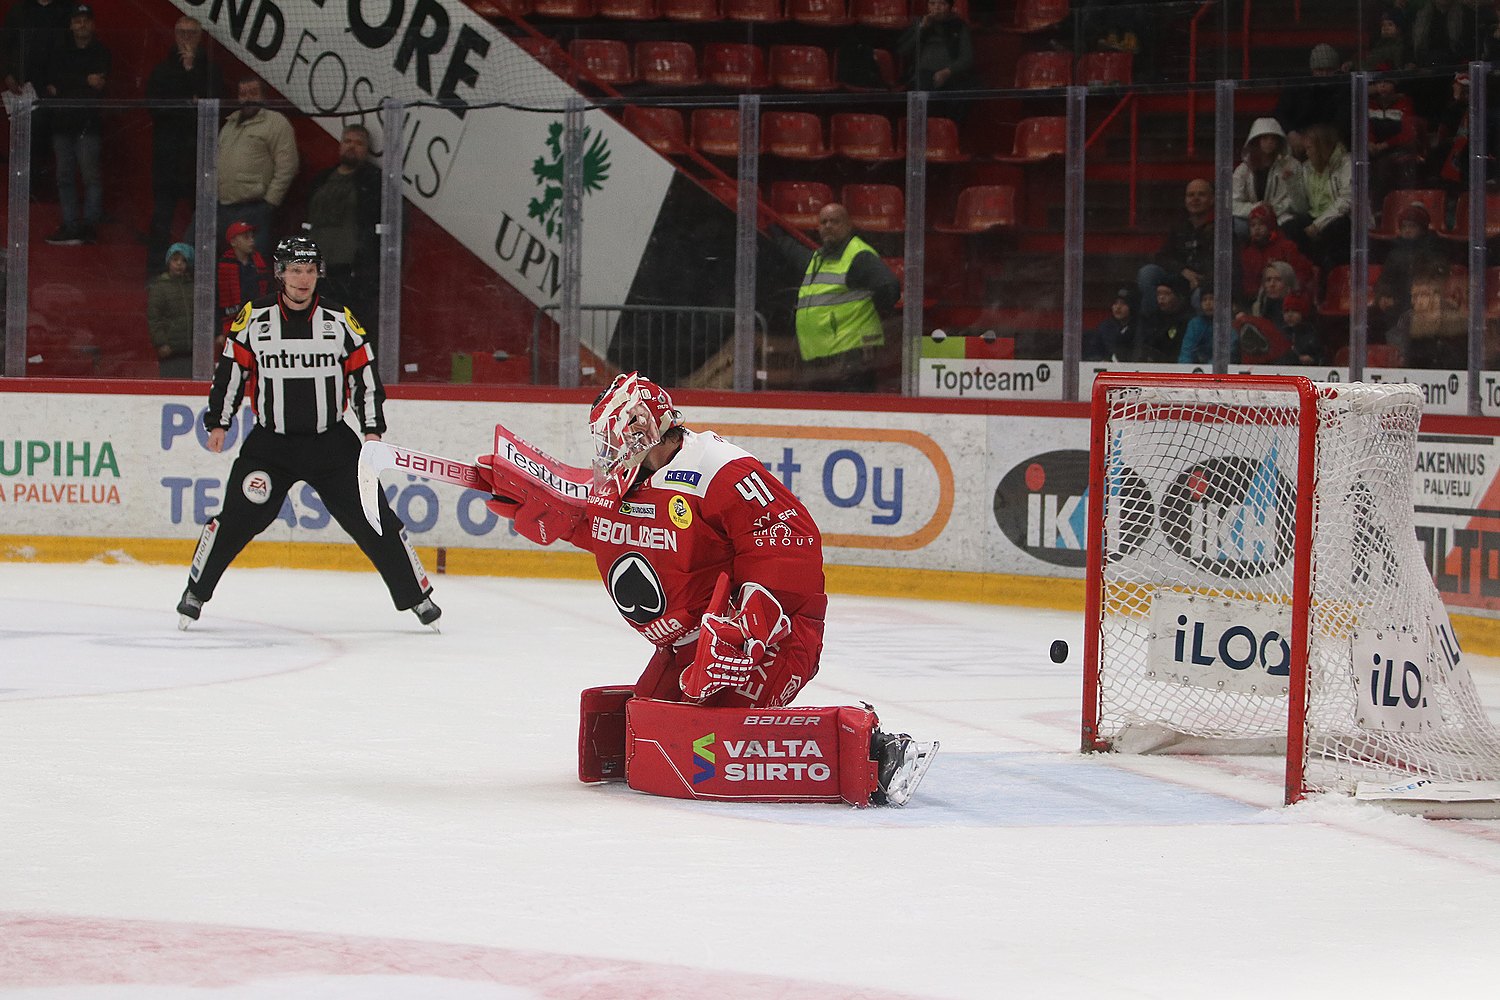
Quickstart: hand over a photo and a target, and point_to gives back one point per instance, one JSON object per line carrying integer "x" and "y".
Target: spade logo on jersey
{"x": 635, "y": 589}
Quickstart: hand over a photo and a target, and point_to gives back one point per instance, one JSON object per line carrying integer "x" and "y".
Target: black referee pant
{"x": 270, "y": 464}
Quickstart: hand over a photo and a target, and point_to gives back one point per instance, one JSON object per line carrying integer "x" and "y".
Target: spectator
{"x": 343, "y": 214}
{"x": 186, "y": 74}
{"x": 1162, "y": 333}
{"x": 1389, "y": 301}
{"x": 257, "y": 162}
{"x": 1267, "y": 174}
{"x": 1115, "y": 335}
{"x": 1323, "y": 233}
{"x": 1442, "y": 37}
{"x": 243, "y": 274}
{"x": 1187, "y": 251}
{"x": 846, "y": 289}
{"x": 1325, "y": 101}
{"x": 1391, "y": 47}
{"x": 78, "y": 71}
{"x": 1434, "y": 332}
{"x": 1395, "y": 139}
{"x": 1198, "y": 341}
{"x": 939, "y": 51}
{"x": 1278, "y": 280}
{"x": 1415, "y": 249}
{"x": 32, "y": 30}
{"x": 1307, "y": 342}
{"x": 1448, "y": 154}
{"x": 1268, "y": 243}
{"x": 169, "y": 313}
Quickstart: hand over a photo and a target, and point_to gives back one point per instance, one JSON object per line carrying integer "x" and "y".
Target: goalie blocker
{"x": 687, "y": 751}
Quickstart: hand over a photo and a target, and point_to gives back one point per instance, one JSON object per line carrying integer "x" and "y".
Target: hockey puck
{"x": 1059, "y": 650}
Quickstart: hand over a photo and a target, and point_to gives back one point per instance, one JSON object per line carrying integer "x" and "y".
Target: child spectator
{"x": 169, "y": 313}
{"x": 1161, "y": 334}
{"x": 1198, "y": 341}
{"x": 1433, "y": 333}
{"x": 1114, "y": 337}
{"x": 1307, "y": 342}
{"x": 1389, "y": 302}
{"x": 1391, "y": 47}
{"x": 1266, "y": 244}
{"x": 1395, "y": 141}
{"x": 1266, "y": 174}
{"x": 243, "y": 274}
{"x": 1416, "y": 247}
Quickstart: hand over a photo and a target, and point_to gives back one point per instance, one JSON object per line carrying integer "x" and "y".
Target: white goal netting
{"x": 1197, "y": 589}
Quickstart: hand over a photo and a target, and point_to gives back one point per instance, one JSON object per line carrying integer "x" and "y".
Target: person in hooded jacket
{"x": 1266, "y": 175}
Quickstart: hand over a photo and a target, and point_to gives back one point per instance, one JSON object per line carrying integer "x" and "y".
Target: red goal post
{"x": 1254, "y": 584}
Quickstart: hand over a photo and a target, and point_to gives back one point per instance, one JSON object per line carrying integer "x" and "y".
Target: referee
{"x": 303, "y": 360}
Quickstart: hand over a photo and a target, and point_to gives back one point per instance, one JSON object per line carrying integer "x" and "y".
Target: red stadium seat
{"x": 735, "y": 65}
{"x": 716, "y": 131}
{"x": 1038, "y": 70}
{"x": 726, "y": 191}
{"x": 885, "y": 69}
{"x": 828, "y": 13}
{"x": 667, "y": 64}
{"x": 1460, "y": 230}
{"x": 797, "y": 135}
{"x": 1103, "y": 69}
{"x": 627, "y": 10}
{"x": 690, "y": 10}
{"x": 603, "y": 60}
{"x": 753, "y": 11}
{"x": 982, "y": 208}
{"x": 1038, "y": 15}
{"x": 876, "y": 208}
{"x": 1037, "y": 139}
{"x": 942, "y": 141}
{"x": 572, "y": 10}
{"x": 548, "y": 53}
{"x": 660, "y": 128}
{"x": 499, "y": 10}
{"x": 1337, "y": 295}
{"x": 1436, "y": 203}
{"x": 801, "y": 67}
{"x": 863, "y": 137}
{"x": 881, "y": 13}
{"x": 799, "y": 201}
{"x": 1376, "y": 356}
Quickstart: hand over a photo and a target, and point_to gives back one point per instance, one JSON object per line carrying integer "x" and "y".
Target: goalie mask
{"x": 297, "y": 250}
{"x": 628, "y": 420}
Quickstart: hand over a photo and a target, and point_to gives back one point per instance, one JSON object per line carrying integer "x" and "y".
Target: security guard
{"x": 305, "y": 360}
{"x": 846, "y": 288}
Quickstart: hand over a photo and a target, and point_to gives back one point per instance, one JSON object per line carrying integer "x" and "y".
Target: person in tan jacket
{"x": 257, "y": 162}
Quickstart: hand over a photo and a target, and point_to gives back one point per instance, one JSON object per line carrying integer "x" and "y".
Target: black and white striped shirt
{"x": 300, "y": 368}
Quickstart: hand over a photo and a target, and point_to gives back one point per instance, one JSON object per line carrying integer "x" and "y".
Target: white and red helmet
{"x": 628, "y": 419}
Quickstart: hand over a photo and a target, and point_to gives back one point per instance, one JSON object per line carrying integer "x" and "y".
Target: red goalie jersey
{"x": 714, "y": 508}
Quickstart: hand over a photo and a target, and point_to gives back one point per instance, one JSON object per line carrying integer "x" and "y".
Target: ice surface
{"x": 308, "y": 794}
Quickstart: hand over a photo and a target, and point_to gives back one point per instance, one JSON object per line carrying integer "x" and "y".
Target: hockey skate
{"x": 427, "y": 613}
{"x": 903, "y": 763}
{"x": 188, "y": 609}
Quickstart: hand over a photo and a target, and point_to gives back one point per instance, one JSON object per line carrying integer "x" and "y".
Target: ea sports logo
{"x": 635, "y": 589}
{"x": 256, "y": 486}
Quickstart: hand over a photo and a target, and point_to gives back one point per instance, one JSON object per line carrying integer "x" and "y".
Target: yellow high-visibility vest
{"x": 832, "y": 317}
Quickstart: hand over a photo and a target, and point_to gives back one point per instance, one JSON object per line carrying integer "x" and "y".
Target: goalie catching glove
{"x": 544, "y": 498}
{"x": 734, "y": 641}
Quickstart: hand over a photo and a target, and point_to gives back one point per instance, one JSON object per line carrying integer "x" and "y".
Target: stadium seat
{"x": 797, "y": 135}
{"x": 735, "y": 65}
{"x": 1337, "y": 293}
{"x": 981, "y": 208}
{"x": 942, "y": 141}
{"x": 1376, "y": 356}
{"x": 753, "y": 11}
{"x": 1038, "y": 15}
{"x": 801, "y": 67}
{"x": 1435, "y": 201}
{"x": 885, "y": 70}
{"x": 499, "y": 10}
{"x": 726, "y": 191}
{"x": 660, "y": 128}
{"x": 828, "y": 13}
{"x": 716, "y": 131}
{"x": 667, "y": 64}
{"x": 690, "y": 10}
{"x": 1037, "y": 139}
{"x": 1038, "y": 70}
{"x": 547, "y": 52}
{"x": 627, "y": 10}
{"x": 1103, "y": 69}
{"x": 602, "y": 60}
{"x": 876, "y": 208}
{"x": 1460, "y": 230}
{"x": 799, "y": 201}
{"x": 863, "y": 137}
{"x": 881, "y": 13}
{"x": 572, "y": 10}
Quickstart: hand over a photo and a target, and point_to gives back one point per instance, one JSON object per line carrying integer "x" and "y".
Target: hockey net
{"x": 1255, "y": 583}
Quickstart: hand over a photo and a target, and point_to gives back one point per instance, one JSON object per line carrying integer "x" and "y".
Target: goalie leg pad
{"x": 601, "y": 734}
{"x": 689, "y": 751}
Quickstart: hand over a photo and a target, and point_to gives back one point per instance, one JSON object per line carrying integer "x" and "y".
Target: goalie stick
{"x": 376, "y": 457}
